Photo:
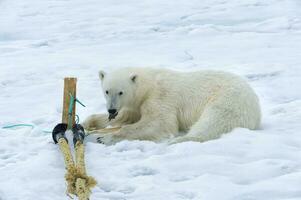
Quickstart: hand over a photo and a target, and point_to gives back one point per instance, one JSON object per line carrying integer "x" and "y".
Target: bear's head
{"x": 119, "y": 91}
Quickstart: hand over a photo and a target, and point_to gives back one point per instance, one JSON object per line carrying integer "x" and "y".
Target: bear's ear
{"x": 101, "y": 74}
{"x": 134, "y": 78}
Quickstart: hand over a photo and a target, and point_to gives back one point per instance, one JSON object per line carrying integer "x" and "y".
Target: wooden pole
{"x": 69, "y": 88}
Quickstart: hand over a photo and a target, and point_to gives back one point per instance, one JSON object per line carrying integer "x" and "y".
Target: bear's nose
{"x": 112, "y": 111}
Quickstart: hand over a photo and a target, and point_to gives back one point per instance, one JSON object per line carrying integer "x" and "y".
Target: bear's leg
{"x": 213, "y": 122}
{"x": 96, "y": 121}
{"x": 148, "y": 128}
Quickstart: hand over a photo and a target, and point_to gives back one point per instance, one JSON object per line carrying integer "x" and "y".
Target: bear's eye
{"x": 120, "y": 93}
{"x": 107, "y": 92}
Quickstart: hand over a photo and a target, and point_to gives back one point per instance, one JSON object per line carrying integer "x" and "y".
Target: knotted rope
{"x": 78, "y": 183}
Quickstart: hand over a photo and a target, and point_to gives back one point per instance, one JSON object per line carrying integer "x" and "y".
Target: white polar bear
{"x": 158, "y": 104}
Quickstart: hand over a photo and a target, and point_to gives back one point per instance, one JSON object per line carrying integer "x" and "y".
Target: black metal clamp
{"x": 59, "y": 132}
{"x": 60, "y": 129}
{"x": 78, "y": 133}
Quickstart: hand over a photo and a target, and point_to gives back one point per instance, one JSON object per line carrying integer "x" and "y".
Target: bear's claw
{"x": 100, "y": 140}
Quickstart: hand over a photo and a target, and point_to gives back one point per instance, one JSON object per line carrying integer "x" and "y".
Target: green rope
{"x": 78, "y": 101}
{"x": 23, "y": 125}
{"x": 18, "y": 125}
{"x": 70, "y": 110}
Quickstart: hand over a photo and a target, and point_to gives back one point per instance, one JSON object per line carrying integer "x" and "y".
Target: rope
{"x": 18, "y": 125}
{"x": 70, "y": 110}
{"x": 69, "y": 163}
{"x": 23, "y": 125}
{"x": 78, "y": 182}
{"x": 83, "y": 183}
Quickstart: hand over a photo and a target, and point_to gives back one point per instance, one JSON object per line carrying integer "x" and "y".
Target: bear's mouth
{"x": 112, "y": 116}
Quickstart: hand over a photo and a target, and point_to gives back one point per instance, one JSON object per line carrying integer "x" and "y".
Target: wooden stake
{"x": 69, "y": 88}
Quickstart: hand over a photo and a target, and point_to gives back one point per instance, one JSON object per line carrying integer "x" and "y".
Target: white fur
{"x": 161, "y": 104}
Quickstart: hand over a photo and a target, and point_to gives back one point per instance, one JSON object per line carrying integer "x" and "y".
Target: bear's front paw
{"x": 99, "y": 140}
{"x": 108, "y": 139}
{"x": 94, "y": 122}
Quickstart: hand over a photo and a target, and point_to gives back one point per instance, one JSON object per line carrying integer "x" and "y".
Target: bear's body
{"x": 160, "y": 104}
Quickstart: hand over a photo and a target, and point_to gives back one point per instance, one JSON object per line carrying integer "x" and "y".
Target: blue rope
{"x": 23, "y": 125}
{"x": 70, "y": 110}
{"x": 18, "y": 125}
{"x": 78, "y": 101}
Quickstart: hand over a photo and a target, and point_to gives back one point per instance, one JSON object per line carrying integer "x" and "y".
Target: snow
{"x": 41, "y": 42}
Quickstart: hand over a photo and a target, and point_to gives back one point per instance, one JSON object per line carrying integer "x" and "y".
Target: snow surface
{"x": 43, "y": 41}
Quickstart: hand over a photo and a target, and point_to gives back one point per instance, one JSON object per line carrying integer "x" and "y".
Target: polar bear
{"x": 161, "y": 104}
